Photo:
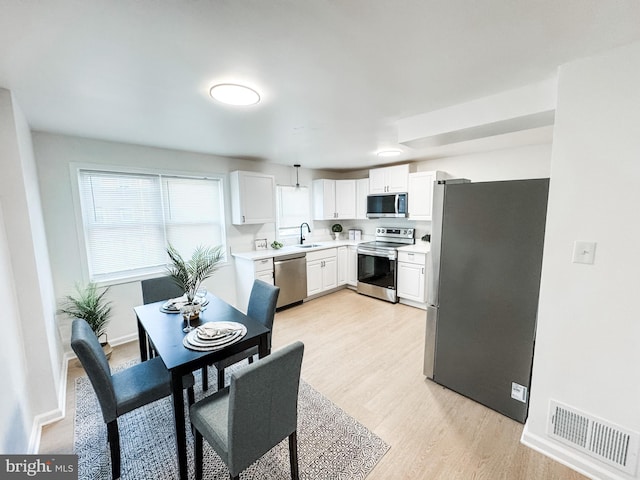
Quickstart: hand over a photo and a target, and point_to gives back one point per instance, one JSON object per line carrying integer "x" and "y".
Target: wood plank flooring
{"x": 366, "y": 356}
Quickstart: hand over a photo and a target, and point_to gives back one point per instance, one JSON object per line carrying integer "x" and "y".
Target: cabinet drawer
{"x": 412, "y": 257}
{"x": 321, "y": 254}
{"x": 266, "y": 264}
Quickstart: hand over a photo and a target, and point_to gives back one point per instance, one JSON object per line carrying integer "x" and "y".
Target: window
{"x": 130, "y": 218}
{"x": 293, "y": 210}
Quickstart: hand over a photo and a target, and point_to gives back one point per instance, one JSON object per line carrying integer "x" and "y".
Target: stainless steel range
{"x": 378, "y": 261}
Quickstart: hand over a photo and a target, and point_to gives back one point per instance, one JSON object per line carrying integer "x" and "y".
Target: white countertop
{"x": 288, "y": 250}
{"x": 418, "y": 247}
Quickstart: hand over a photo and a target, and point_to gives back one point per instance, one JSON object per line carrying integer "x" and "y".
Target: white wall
{"x": 531, "y": 161}
{"x": 26, "y": 283}
{"x": 15, "y": 413}
{"x": 588, "y": 343}
{"x": 54, "y": 155}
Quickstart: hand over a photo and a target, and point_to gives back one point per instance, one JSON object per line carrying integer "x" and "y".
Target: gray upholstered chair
{"x": 161, "y": 288}
{"x": 255, "y": 413}
{"x": 164, "y": 288}
{"x": 123, "y": 391}
{"x": 262, "y": 307}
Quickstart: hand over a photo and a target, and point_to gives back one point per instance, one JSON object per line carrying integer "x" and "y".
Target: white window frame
{"x": 290, "y": 234}
{"x": 123, "y": 277}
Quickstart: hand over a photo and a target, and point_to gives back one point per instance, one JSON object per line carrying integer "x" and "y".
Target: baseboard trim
{"x": 566, "y": 456}
{"x": 54, "y": 415}
{"x": 60, "y": 412}
{"x": 124, "y": 339}
{"x": 413, "y": 303}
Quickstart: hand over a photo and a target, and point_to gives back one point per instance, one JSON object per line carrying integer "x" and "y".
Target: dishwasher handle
{"x": 293, "y": 256}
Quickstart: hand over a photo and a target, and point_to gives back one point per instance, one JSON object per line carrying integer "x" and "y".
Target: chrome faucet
{"x": 302, "y": 236}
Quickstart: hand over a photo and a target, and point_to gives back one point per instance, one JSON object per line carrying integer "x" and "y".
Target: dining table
{"x": 161, "y": 333}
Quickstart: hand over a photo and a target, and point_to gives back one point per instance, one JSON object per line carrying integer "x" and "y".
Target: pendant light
{"x": 297, "y": 166}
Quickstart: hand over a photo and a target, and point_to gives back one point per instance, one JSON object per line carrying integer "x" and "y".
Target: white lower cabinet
{"x": 412, "y": 276}
{"x": 246, "y": 272}
{"x": 352, "y": 265}
{"x": 322, "y": 271}
{"x": 342, "y": 265}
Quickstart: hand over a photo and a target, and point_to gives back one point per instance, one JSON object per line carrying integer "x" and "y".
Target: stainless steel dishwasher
{"x": 290, "y": 274}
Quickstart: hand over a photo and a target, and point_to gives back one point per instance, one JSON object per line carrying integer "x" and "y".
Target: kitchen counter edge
{"x": 288, "y": 250}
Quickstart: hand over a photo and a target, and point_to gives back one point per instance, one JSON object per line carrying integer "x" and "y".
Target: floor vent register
{"x": 600, "y": 439}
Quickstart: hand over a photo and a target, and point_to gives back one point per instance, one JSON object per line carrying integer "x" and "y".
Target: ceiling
{"x": 335, "y": 75}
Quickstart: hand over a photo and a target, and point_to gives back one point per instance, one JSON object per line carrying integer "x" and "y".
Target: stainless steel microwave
{"x": 387, "y": 205}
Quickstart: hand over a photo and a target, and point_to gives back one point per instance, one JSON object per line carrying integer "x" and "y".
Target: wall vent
{"x": 600, "y": 439}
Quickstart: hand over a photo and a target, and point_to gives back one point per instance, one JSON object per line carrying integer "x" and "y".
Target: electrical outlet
{"x": 584, "y": 252}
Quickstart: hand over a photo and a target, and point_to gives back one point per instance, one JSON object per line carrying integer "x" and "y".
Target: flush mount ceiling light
{"x": 389, "y": 153}
{"x": 233, "y": 94}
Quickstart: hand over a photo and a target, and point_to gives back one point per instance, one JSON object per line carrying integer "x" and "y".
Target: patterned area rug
{"x": 331, "y": 444}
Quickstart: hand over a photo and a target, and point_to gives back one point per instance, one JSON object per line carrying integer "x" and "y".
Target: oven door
{"x": 377, "y": 273}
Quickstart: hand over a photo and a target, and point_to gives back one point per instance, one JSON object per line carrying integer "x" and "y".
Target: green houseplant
{"x": 336, "y": 228}
{"x": 189, "y": 274}
{"x": 89, "y": 303}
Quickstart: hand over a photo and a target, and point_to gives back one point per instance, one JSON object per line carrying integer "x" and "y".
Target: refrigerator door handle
{"x": 430, "y": 342}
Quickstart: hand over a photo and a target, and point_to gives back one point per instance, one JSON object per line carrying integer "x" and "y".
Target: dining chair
{"x": 161, "y": 288}
{"x": 164, "y": 288}
{"x": 255, "y": 413}
{"x": 122, "y": 391}
{"x": 262, "y": 307}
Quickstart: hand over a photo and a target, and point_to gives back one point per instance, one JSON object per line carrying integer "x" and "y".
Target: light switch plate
{"x": 584, "y": 252}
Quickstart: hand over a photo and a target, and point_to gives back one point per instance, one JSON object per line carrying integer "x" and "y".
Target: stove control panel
{"x": 394, "y": 232}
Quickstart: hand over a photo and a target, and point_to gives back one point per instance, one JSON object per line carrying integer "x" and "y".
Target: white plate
{"x": 193, "y": 342}
{"x": 173, "y": 305}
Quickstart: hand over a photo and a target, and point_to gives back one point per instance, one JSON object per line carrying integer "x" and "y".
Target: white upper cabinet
{"x": 420, "y": 201}
{"x": 334, "y": 199}
{"x": 252, "y": 198}
{"x": 389, "y": 179}
{"x": 362, "y": 190}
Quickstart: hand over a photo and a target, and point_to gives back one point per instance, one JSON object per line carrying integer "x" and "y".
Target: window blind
{"x": 129, "y": 219}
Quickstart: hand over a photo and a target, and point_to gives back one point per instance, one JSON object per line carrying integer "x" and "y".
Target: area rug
{"x": 331, "y": 444}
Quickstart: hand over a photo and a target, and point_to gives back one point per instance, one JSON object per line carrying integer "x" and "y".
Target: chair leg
{"x": 293, "y": 455}
{"x": 205, "y": 379}
{"x": 198, "y": 454}
{"x": 191, "y": 396}
{"x": 220, "y": 378}
{"x": 114, "y": 446}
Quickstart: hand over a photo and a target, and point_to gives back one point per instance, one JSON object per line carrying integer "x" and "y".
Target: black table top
{"x": 164, "y": 330}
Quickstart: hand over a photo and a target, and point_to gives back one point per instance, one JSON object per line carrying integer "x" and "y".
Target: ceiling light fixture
{"x": 297, "y": 166}
{"x": 233, "y": 94}
{"x": 389, "y": 153}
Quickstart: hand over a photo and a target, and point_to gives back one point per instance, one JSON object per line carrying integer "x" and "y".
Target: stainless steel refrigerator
{"x": 483, "y": 286}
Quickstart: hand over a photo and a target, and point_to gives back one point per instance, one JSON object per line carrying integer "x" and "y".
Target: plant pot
{"x": 107, "y": 349}
{"x": 337, "y": 235}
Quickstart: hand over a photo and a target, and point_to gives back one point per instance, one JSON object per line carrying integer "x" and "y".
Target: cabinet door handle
{"x": 243, "y": 220}
{"x": 422, "y": 270}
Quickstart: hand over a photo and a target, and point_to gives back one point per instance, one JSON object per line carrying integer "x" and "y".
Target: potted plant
{"x": 90, "y": 304}
{"x": 336, "y": 228}
{"x": 189, "y": 274}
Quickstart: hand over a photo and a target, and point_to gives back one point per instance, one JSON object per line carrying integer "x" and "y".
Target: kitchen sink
{"x": 310, "y": 245}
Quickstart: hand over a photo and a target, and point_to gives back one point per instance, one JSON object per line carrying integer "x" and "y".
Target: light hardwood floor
{"x": 366, "y": 356}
